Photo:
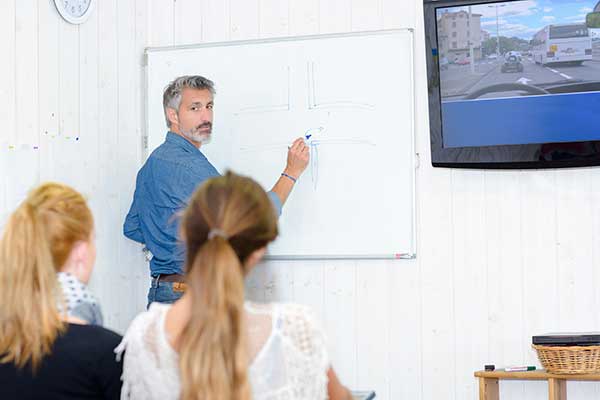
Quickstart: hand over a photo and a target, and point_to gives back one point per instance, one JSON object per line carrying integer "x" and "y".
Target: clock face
{"x": 74, "y": 11}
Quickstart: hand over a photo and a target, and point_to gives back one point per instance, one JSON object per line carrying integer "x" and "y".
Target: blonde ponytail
{"x": 213, "y": 359}
{"x": 228, "y": 218}
{"x": 36, "y": 242}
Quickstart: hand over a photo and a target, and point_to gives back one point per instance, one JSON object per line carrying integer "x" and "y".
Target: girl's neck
{"x": 177, "y": 318}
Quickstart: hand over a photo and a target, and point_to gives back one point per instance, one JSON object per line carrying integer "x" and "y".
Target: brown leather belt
{"x": 171, "y": 278}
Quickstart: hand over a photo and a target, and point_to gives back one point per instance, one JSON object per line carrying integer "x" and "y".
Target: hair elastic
{"x": 217, "y": 232}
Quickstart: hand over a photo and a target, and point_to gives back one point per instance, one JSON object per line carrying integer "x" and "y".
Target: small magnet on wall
{"x": 434, "y": 52}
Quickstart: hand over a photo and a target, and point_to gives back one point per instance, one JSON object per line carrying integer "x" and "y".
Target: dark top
{"x": 82, "y": 366}
{"x": 163, "y": 188}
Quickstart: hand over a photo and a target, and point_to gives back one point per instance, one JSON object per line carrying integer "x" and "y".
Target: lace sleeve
{"x": 301, "y": 327}
{"x": 149, "y": 368}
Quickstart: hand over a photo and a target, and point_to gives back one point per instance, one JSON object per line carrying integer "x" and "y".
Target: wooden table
{"x": 557, "y": 384}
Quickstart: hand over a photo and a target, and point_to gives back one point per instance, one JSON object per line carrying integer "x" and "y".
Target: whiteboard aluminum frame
{"x": 412, "y": 253}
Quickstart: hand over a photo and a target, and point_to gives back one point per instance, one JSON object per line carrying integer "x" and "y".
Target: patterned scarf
{"x": 78, "y": 299}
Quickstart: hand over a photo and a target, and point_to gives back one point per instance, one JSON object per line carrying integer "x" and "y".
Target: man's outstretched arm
{"x": 297, "y": 160}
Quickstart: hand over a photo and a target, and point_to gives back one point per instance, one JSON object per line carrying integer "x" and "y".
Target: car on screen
{"x": 512, "y": 63}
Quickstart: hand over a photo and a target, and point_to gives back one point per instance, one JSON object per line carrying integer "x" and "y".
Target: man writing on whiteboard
{"x": 173, "y": 171}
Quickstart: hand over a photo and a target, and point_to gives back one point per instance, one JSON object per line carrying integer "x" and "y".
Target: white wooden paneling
{"x": 24, "y": 159}
{"x": 574, "y": 257}
{"x": 7, "y": 74}
{"x": 339, "y": 317}
{"x": 405, "y": 343}
{"x": 109, "y": 221}
{"x": 395, "y": 14}
{"x": 435, "y": 255}
{"x": 366, "y": 15}
{"x": 244, "y": 19}
{"x": 335, "y": 16}
{"x": 7, "y": 96}
{"x": 304, "y": 17}
{"x": 273, "y": 18}
{"x": 540, "y": 300}
{"x": 189, "y": 21}
{"x": 470, "y": 307}
{"x": 128, "y": 152}
{"x": 48, "y": 86}
{"x": 505, "y": 285}
{"x": 26, "y": 73}
{"x": 502, "y": 255}
{"x": 373, "y": 325}
{"x": 595, "y": 200}
{"x": 215, "y": 21}
{"x": 161, "y": 28}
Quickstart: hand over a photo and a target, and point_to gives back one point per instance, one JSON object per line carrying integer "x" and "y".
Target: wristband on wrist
{"x": 289, "y": 176}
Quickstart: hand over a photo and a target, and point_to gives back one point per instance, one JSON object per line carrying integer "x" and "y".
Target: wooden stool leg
{"x": 489, "y": 389}
{"x": 557, "y": 389}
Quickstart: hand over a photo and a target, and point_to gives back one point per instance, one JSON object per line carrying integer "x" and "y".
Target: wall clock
{"x": 74, "y": 11}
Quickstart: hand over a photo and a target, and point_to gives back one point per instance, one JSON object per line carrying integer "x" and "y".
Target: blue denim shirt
{"x": 163, "y": 187}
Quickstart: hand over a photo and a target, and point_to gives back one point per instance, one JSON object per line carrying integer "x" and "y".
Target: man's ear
{"x": 172, "y": 116}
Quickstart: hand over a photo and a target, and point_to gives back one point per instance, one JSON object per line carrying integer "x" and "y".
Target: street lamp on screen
{"x": 497, "y": 28}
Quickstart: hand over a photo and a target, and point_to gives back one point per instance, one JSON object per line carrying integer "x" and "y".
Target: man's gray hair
{"x": 172, "y": 94}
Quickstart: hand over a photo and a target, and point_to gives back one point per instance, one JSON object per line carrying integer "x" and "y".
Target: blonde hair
{"x": 212, "y": 347}
{"x": 36, "y": 243}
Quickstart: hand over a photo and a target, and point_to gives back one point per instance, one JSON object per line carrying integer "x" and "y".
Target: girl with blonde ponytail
{"x": 47, "y": 253}
{"x": 212, "y": 344}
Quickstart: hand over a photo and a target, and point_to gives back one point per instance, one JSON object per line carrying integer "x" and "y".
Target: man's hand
{"x": 297, "y": 158}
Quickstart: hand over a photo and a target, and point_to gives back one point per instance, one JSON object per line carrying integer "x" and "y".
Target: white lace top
{"x": 287, "y": 349}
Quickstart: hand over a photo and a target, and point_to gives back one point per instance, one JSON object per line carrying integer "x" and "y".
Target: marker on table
{"x": 520, "y": 368}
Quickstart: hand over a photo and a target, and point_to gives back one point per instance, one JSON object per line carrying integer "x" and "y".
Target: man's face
{"x": 194, "y": 117}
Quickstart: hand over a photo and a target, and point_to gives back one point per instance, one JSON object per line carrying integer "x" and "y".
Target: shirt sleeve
{"x": 131, "y": 226}
{"x": 276, "y": 202}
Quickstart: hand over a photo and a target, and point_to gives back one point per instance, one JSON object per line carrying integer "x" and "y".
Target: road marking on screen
{"x": 560, "y": 73}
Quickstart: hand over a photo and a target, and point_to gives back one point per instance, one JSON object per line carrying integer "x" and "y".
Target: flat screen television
{"x": 513, "y": 83}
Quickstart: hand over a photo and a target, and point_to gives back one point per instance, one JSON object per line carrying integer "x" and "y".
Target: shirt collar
{"x": 180, "y": 141}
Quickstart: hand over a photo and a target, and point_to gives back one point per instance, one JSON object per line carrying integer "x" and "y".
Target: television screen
{"x": 514, "y": 84}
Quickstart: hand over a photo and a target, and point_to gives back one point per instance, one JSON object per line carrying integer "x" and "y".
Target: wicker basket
{"x": 569, "y": 359}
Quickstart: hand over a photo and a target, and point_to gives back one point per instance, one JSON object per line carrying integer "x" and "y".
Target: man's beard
{"x": 199, "y": 137}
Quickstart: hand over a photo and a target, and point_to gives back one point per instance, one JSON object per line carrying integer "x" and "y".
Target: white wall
{"x": 502, "y": 255}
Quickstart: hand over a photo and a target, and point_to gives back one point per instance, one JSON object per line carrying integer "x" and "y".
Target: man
{"x": 171, "y": 174}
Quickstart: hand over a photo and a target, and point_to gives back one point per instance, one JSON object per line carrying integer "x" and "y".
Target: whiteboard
{"x": 353, "y": 93}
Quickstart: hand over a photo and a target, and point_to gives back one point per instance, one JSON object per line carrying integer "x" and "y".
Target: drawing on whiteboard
{"x": 312, "y": 95}
{"x": 314, "y": 138}
{"x": 272, "y": 107}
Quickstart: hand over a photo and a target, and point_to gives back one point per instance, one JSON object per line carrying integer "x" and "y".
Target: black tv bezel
{"x": 483, "y": 157}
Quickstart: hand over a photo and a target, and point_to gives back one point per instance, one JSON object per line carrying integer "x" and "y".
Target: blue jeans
{"x": 164, "y": 292}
